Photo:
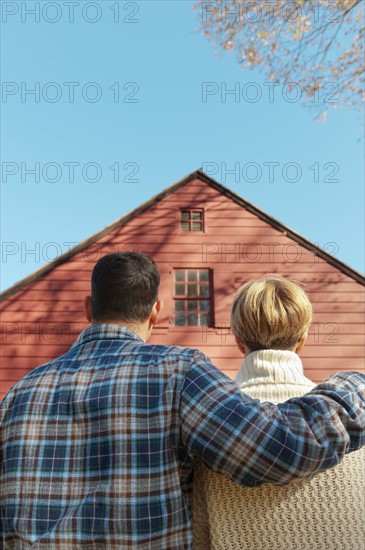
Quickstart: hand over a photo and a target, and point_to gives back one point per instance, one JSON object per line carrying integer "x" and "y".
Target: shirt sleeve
{"x": 254, "y": 443}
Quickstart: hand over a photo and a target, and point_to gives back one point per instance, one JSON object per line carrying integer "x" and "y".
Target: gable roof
{"x": 198, "y": 174}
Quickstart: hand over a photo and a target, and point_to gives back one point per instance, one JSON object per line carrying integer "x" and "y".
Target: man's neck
{"x": 140, "y": 328}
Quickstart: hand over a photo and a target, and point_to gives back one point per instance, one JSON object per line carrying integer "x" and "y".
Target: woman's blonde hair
{"x": 271, "y": 313}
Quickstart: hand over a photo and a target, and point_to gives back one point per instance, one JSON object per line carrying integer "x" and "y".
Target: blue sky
{"x": 137, "y": 104}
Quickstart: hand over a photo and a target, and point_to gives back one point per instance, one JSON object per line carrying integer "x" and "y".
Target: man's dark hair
{"x": 124, "y": 286}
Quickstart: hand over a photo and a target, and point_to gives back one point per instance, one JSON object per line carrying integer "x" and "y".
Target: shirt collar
{"x": 104, "y": 331}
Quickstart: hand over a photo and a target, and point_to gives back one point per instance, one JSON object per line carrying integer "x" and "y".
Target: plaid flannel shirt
{"x": 97, "y": 446}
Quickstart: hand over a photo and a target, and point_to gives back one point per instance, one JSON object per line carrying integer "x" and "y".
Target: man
{"x": 98, "y": 445}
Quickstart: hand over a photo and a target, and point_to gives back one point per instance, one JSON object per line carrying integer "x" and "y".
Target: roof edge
{"x": 284, "y": 229}
{"x": 197, "y": 174}
{"x": 96, "y": 236}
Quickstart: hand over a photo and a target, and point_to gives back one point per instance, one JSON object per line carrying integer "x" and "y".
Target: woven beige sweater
{"x": 325, "y": 513}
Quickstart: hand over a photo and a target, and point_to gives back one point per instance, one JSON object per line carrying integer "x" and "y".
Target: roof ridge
{"x": 197, "y": 174}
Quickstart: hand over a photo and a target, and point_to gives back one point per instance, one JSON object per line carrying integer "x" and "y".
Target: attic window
{"x": 192, "y": 220}
{"x": 192, "y": 298}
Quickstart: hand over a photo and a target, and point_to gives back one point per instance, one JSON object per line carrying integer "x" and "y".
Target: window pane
{"x": 204, "y": 290}
{"x": 204, "y": 319}
{"x": 185, "y": 226}
{"x": 192, "y": 290}
{"x": 192, "y": 320}
{"x": 192, "y": 305}
{"x": 192, "y": 276}
{"x": 197, "y": 215}
{"x": 204, "y": 305}
{"x": 203, "y": 275}
{"x": 179, "y": 305}
{"x": 179, "y": 275}
{"x": 180, "y": 320}
{"x": 185, "y": 215}
{"x": 180, "y": 290}
{"x": 197, "y": 226}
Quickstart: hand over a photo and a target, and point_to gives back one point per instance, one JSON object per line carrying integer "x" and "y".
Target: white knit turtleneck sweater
{"x": 325, "y": 513}
{"x": 273, "y": 375}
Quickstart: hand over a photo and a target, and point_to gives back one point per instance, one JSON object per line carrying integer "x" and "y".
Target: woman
{"x": 270, "y": 320}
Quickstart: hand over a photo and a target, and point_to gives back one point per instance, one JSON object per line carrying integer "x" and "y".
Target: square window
{"x": 192, "y": 220}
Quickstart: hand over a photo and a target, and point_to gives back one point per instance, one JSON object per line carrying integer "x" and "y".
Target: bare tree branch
{"x": 304, "y": 41}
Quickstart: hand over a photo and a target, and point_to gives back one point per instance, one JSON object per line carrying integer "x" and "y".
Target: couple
{"x": 98, "y": 447}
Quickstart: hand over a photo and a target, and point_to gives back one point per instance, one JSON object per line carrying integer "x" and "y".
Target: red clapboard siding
{"x": 42, "y": 317}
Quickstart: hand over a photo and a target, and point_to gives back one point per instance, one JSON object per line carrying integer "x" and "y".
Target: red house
{"x": 206, "y": 241}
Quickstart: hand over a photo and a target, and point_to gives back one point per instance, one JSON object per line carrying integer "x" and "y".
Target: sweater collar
{"x": 280, "y": 366}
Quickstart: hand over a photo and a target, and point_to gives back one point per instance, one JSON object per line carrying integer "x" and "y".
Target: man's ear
{"x": 300, "y": 345}
{"x": 87, "y": 307}
{"x": 155, "y": 313}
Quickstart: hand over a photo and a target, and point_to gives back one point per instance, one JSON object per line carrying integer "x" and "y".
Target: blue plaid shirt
{"x": 97, "y": 446}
